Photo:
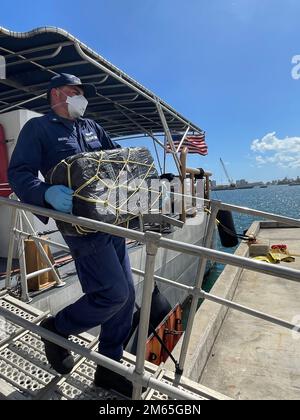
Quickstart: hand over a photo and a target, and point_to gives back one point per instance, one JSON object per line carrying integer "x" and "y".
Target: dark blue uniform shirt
{"x": 43, "y": 143}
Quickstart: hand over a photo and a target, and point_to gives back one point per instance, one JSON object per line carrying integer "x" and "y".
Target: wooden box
{"x": 35, "y": 262}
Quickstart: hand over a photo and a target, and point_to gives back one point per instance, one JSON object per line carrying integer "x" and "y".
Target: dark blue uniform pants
{"x": 104, "y": 272}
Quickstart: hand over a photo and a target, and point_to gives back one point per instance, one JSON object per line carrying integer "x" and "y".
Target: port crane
{"x": 230, "y": 180}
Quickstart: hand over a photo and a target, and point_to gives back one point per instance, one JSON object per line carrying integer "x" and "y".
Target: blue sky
{"x": 225, "y": 65}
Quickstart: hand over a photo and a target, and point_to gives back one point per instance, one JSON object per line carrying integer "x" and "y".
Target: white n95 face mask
{"x": 76, "y": 105}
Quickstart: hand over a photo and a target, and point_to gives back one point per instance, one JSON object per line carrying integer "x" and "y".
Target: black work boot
{"x": 113, "y": 381}
{"x": 59, "y": 358}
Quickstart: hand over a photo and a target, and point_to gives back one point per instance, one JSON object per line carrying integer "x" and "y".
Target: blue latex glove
{"x": 60, "y": 198}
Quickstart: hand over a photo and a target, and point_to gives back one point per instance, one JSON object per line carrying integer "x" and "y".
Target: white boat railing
{"x": 153, "y": 242}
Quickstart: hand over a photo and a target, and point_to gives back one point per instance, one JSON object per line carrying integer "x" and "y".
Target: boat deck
{"x": 252, "y": 358}
{"x": 26, "y": 374}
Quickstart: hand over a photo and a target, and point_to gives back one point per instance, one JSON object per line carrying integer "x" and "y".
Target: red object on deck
{"x": 280, "y": 246}
{"x": 169, "y": 330}
{"x": 5, "y": 190}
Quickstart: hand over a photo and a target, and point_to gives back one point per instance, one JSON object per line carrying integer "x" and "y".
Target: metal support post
{"x": 183, "y": 157}
{"x": 43, "y": 253}
{"x": 22, "y": 261}
{"x": 207, "y": 187}
{"x": 10, "y": 248}
{"x": 193, "y": 194}
{"x": 168, "y": 135}
{"x": 215, "y": 206}
{"x": 152, "y": 244}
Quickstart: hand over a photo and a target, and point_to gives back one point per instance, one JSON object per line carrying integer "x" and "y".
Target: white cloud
{"x": 260, "y": 160}
{"x": 281, "y": 152}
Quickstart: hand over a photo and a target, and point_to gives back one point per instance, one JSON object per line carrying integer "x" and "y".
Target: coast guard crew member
{"x": 101, "y": 260}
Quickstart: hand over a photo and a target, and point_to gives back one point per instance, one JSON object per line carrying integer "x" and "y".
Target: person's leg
{"x": 122, "y": 321}
{"x": 121, "y": 325}
{"x": 104, "y": 271}
{"x": 59, "y": 358}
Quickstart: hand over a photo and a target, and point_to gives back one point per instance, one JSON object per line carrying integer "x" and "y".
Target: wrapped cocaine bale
{"x": 111, "y": 186}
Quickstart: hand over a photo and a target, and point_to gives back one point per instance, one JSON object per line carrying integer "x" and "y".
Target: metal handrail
{"x": 214, "y": 255}
{"x": 154, "y": 241}
{"x": 145, "y": 379}
{"x": 259, "y": 213}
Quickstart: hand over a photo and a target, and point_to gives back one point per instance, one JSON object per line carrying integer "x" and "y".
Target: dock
{"x": 242, "y": 356}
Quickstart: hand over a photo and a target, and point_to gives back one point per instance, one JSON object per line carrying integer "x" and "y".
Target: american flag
{"x": 195, "y": 143}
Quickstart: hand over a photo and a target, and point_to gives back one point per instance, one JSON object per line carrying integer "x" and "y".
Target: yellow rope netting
{"x": 111, "y": 188}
